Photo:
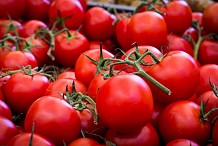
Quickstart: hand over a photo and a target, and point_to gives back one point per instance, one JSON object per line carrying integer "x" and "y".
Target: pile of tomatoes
{"x": 73, "y": 75}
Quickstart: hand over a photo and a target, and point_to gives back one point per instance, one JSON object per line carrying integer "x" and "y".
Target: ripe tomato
{"x": 208, "y": 72}
{"x": 5, "y": 27}
{"x": 68, "y": 48}
{"x": 98, "y": 24}
{"x": 121, "y": 97}
{"x": 8, "y": 130}
{"x": 215, "y": 134}
{"x": 181, "y": 120}
{"x": 182, "y": 142}
{"x": 21, "y": 90}
{"x": 67, "y": 8}
{"x": 5, "y": 111}
{"x": 96, "y": 45}
{"x": 182, "y": 82}
{"x": 208, "y": 52}
{"x": 178, "y": 16}
{"x": 210, "y": 18}
{"x": 197, "y": 16}
{"x": 24, "y": 140}
{"x": 84, "y": 142}
{"x": 145, "y": 136}
{"x": 85, "y": 69}
{"x": 58, "y": 122}
{"x": 147, "y": 28}
{"x": 67, "y": 75}
{"x": 12, "y": 8}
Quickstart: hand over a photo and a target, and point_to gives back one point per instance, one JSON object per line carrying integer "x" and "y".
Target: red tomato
{"x": 197, "y": 16}
{"x": 85, "y": 69}
{"x": 182, "y": 142}
{"x": 215, "y": 134}
{"x": 182, "y": 82}
{"x": 83, "y": 142}
{"x": 147, "y": 28}
{"x": 12, "y": 8}
{"x": 208, "y": 52}
{"x": 96, "y": 45}
{"x": 178, "y": 43}
{"x": 21, "y": 90}
{"x": 5, "y": 27}
{"x": 193, "y": 35}
{"x": 210, "y": 18}
{"x": 178, "y": 16}
{"x": 31, "y": 26}
{"x": 24, "y": 140}
{"x": 84, "y": 4}
{"x": 68, "y": 48}
{"x": 67, "y": 75}
{"x": 8, "y": 130}
{"x": 208, "y": 72}
{"x": 145, "y": 136}
{"x": 15, "y": 59}
{"x": 67, "y": 8}
{"x": 1, "y": 96}
{"x": 98, "y": 24}
{"x": 5, "y": 111}
{"x": 122, "y": 97}
{"x": 37, "y": 9}
{"x": 181, "y": 120}
{"x": 54, "y": 119}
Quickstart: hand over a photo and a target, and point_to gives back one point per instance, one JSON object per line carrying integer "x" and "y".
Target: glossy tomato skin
{"x": 83, "y": 142}
{"x": 8, "y": 130}
{"x": 37, "y": 10}
{"x": 182, "y": 142}
{"x": 208, "y": 72}
{"x": 182, "y": 82}
{"x": 121, "y": 97}
{"x": 178, "y": 16}
{"x": 147, "y": 28}
{"x": 147, "y": 135}
{"x": 210, "y": 18}
{"x": 24, "y": 140}
{"x": 85, "y": 69}
{"x": 22, "y": 90}
{"x": 208, "y": 52}
{"x": 98, "y": 24}
{"x": 12, "y": 8}
{"x": 5, "y": 111}
{"x": 67, "y": 8}
{"x": 15, "y": 59}
{"x": 214, "y": 134}
{"x": 58, "y": 122}
{"x": 67, "y": 50}
{"x": 181, "y": 119}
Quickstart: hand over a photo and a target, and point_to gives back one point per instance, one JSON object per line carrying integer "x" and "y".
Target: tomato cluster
{"x": 76, "y": 75}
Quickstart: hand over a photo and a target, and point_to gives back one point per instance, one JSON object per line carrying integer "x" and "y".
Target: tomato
{"x": 8, "y": 130}
{"x": 21, "y": 90}
{"x": 147, "y": 28}
{"x": 214, "y": 134}
{"x": 181, "y": 120}
{"x": 6, "y": 27}
{"x": 5, "y": 111}
{"x": 83, "y": 142}
{"x": 182, "y": 142}
{"x": 178, "y": 43}
{"x": 98, "y": 24}
{"x": 208, "y": 52}
{"x": 210, "y": 18}
{"x": 15, "y": 59}
{"x": 145, "y": 136}
{"x": 1, "y": 96}
{"x": 122, "y": 97}
{"x": 68, "y": 48}
{"x": 31, "y": 26}
{"x": 193, "y": 35}
{"x": 208, "y": 72}
{"x": 84, "y": 4}
{"x": 197, "y": 16}
{"x": 122, "y": 35}
{"x": 85, "y": 69}
{"x": 67, "y": 75}
{"x": 24, "y": 140}
{"x": 96, "y": 45}
{"x": 172, "y": 74}
{"x": 178, "y": 16}
{"x": 67, "y": 8}
{"x": 58, "y": 122}
{"x": 37, "y": 10}
{"x": 12, "y": 8}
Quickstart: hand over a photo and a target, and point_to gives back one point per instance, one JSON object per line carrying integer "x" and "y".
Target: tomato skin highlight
{"x": 126, "y": 95}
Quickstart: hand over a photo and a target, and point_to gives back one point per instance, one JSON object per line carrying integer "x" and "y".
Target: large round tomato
{"x": 5, "y": 111}
{"x": 147, "y": 28}
{"x": 53, "y": 118}
{"x": 22, "y": 90}
{"x": 122, "y": 97}
{"x": 181, "y": 119}
{"x": 182, "y": 80}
